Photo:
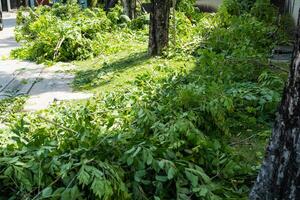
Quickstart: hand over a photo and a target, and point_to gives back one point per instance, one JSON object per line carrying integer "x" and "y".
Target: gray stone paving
{"x": 42, "y": 84}
{"x": 7, "y": 41}
{"x": 52, "y": 85}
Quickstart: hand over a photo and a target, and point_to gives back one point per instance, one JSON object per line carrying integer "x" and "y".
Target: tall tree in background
{"x": 109, "y": 4}
{"x": 279, "y": 177}
{"x": 159, "y": 26}
{"x": 129, "y": 7}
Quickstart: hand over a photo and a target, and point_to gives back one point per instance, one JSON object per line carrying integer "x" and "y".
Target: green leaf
{"x": 58, "y": 192}
{"x": 136, "y": 152}
{"x": 161, "y": 178}
{"x": 203, "y": 191}
{"x": 171, "y": 173}
{"x": 47, "y": 192}
{"x": 98, "y": 187}
{"x": 161, "y": 164}
{"x": 149, "y": 158}
{"x": 71, "y": 193}
{"x": 75, "y": 193}
{"x": 129, "y": 160}
{"x": 93, "y": 171}
{"x": 200, "y": 172}
{"x": 8, "y": 171}
{"x": 130, "y": 150}
{"x": 139, "y": 175}
{"x": 192, "y": 178}
{"x": 83, "y": 176}
{"x": 102, "y": 188}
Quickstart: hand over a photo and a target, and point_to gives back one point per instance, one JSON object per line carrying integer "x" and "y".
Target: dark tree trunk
{"x": 159, "y": 26}
{"x": 280, "y": 4}
{"x": 129, "y": 7}
{"x": 279, "y": 177}
{"x": 109, "y": 4}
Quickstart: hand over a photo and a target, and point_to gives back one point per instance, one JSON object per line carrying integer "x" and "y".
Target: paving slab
{"x": 22, "y": 83}
{"x": 10, "y": 69}
{"x": 54, "y": 85}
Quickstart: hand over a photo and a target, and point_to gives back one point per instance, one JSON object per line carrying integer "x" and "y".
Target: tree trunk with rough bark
{"x": 109, "y": 4}
{"x": 129, "y": 7}
{"x": 279, "y": 177}
{"x": 280, "y": 4}
{"x": 159, "y": 26}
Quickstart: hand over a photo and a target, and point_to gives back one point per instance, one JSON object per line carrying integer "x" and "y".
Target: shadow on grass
{"x": 100, "y": 76}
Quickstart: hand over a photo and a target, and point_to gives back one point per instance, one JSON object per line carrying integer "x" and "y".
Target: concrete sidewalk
{"x": 7, "y": 39}
{"x": 42, "y": 84}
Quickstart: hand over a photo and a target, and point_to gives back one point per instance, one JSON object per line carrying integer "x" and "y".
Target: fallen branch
{"x": 242, "y": 141}
{"x": 58, "y": 45}
{"x": 56, "y": 124}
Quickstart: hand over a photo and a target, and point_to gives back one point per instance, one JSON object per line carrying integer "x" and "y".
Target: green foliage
{"x": 250, "y": 38}
{"x": 286, "y": 29}
{"x": 265, "y": 11}
{"x": 237, "y": 7}
{"x": 133, "y": 144}
{"x": 173, "y": 133}
{"x": 115, "y": 14}
{"x": 66, "y": 33}
{"x": 186, "y": 6}
{"x": 140, "y": 22}
{"x": 262, "y": 9}
{"x": 92, "y": 3}
{"x": 9, "y": 106}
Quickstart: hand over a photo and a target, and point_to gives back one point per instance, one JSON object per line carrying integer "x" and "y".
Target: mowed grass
{"x": 116, "y": 71}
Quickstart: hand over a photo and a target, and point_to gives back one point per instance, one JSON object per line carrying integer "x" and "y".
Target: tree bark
{"x": 129, "y": 7}
{"x": 159, "y": 26}
{"x": 279, "y": 177}
{"x": 109, "y": 4}
{"x": 280, "y": 4}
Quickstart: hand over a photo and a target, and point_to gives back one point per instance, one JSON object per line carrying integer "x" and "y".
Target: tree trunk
{"x": 280, "y": 4}
{"x": 129, "y": 7}
{"x": 109, "y": 4}
{"x": 159, "y": 26}
{"x": 279, "y": 177}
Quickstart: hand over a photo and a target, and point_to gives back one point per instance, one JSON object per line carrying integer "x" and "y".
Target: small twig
{"x": 56, "y": 124}
{"x": 242, "y": 141}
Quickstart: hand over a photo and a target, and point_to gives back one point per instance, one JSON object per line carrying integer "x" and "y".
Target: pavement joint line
{"x": 36, "y": 80}
{"x": 14, "y": 78}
